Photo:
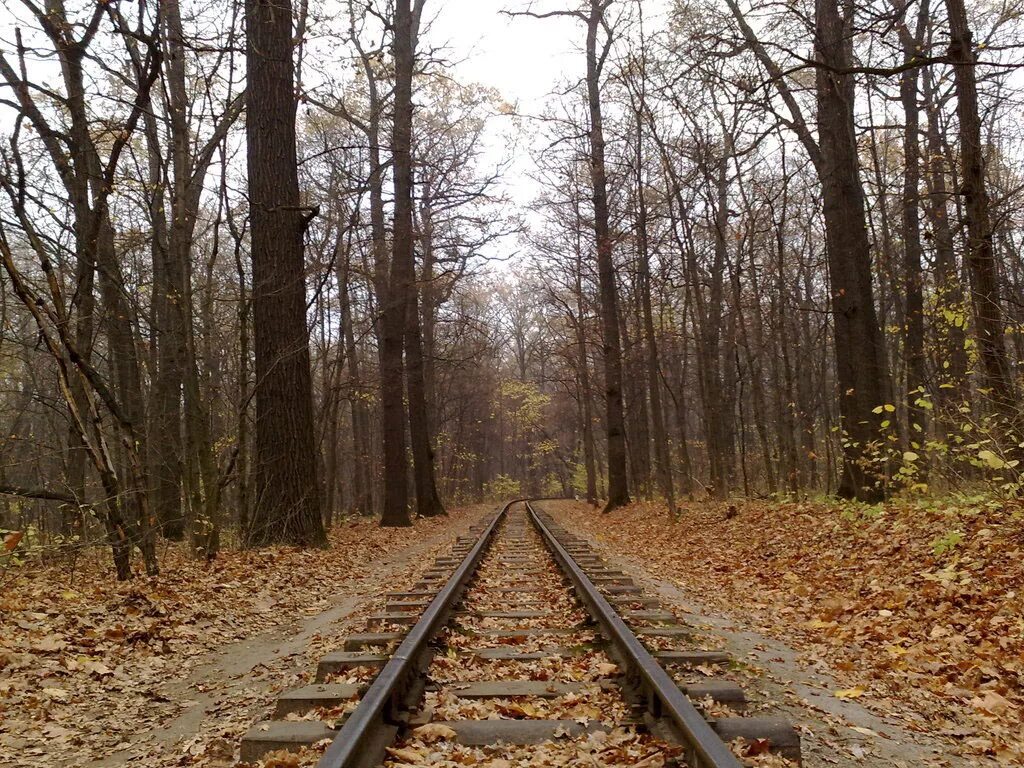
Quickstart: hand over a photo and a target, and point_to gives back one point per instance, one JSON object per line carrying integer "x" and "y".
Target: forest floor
{"x": 892, "y": 637}
{"x": 900, "y": 628}
{"x": 173, "y": 670}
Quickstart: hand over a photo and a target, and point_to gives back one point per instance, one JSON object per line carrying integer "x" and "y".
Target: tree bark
{"x": 618, "y": 484}
{"x": 287, "y": 504}
{"x": 913, "y": 276}
{"x": 662, "y": 465}
{"x": 428, "y": 502}
{"x": 582, "y": 363}
{"x": 951, "y": 359}
{"x": 861, "y": 368}
{"x": 393, "y": 420}
{"x": 981, "y": 263}
{"x": 362, "y": 477}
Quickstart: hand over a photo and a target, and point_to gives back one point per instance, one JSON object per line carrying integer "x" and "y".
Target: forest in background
{"x": 261, "y": 270}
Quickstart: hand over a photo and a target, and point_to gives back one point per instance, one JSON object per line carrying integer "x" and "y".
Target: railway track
{"x": 522, "y": 646}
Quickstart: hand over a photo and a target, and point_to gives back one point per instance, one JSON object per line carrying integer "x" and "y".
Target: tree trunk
{"x": 618, "y": 485}
{"x": 861, "y": 370}
{"x": 913, "y": 278}
{"x": 362, "y": 477}
{"x": 165, "y": 432}
{"x": 981, "y": 263}
{"x": 287, "y": 492}
{"x": 806, "y": 390}
{"x": 83, "y": 303}
{"x": 951, "y": 360}
{"x": 860, "y": 357}
{"x": 638, "y": 440}
{"x": 754, "y": 366}
{"x": 718, "y": 414}
{"x": 428, "y": 502}
{"x": 662, "y": 466}
{"x": 242, "y": 385}
{"x": 168, "y": 289}
{"x": 582, "y": 364}
{"x": 429, "y": 303}
{"x": 393, "y": 420}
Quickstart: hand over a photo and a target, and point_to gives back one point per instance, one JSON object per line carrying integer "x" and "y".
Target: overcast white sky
{"x": 524, "y": 59}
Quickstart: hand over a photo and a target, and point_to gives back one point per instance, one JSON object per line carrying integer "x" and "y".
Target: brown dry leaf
{"x": 933, "y": 639}
{"x": 849, "y": 693}
{"x": 12, "y": 539}
{"x": 653, "y": 761}
{"x": 406, "y": 754}
{"x": 50, "y": 644}
{"x": 97, "y": 668}
{"x": 990, "y": 702}
{"x": 756, "y": 747}
{"x": 102, "y": 665}
{"x": 432, "y": 732}
{"x": 281, "y": 759}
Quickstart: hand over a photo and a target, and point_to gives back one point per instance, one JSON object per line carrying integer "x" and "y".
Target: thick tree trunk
{"x": 169, "y": 289}
{"x": 287, "y": 504}
{"x": 861, "y": 370}
{"x": 618, "y": 484}
{"x": 981, "y": 263}
{"x": 393, "y": 420}
{"x": 862, "y": 375}
{"x": 428, "y": 502}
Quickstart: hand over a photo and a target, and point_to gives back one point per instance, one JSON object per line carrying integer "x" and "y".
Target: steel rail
{"x": 704, "y": 747}
{"x": 359, "y": 741}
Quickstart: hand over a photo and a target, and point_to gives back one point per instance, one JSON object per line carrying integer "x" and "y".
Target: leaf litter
{"x": 85, "y": 661}
{"x": 933, "y": 636}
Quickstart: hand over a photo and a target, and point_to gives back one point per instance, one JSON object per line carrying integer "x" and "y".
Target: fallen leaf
{"x": 990, "y": 702}
{"x": 12, "y": 539}
{"x": 434, "y": 732}
{"x": 849, "y": 693}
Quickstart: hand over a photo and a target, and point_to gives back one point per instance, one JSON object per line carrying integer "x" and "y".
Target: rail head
{"x": 357, "y": 740}
{"x": 706, "y": 749}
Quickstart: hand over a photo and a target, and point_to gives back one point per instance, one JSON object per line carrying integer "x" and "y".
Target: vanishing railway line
{"x": 521, "y": 643}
